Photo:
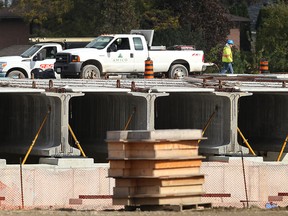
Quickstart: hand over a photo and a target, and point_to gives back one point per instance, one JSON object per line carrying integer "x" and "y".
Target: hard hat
{"x": 230, "y": 42}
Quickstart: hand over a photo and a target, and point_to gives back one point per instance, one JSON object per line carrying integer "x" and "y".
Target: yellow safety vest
{"x": 227, "y": 54}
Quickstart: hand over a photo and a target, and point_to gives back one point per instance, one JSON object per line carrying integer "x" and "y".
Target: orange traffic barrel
{"x": 264, "y": 68}
{"x": 148, "y": 74}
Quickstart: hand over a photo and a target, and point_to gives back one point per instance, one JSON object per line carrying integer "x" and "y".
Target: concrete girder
{"x": 263, "y": 118}
{"x": 63, "y": 148}
{"x": 150, "y": 99}
{"x": 96, "y": 113}
{"x": 21, "y": 117}
{"x": 193, "y": 110}
{"x": 233, "y": 146}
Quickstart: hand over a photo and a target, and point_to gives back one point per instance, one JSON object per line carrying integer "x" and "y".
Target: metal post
{"x": 21, "y": 185}
{"x": 244, "y": 176}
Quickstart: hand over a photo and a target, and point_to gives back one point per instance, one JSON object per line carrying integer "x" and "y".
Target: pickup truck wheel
{"x": 178, "y": 71}
{"x": 90, "y": 72}
{"x": 16, "y": 74}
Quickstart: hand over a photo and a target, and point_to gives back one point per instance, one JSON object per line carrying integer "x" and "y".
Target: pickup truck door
{"x": 140, "y": 54}
{"x": 44, "y": 58}
{"x": 120, "y": 57}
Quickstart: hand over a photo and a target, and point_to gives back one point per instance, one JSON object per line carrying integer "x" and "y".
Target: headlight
{"x": 3, "y": 64}
{"x": 75, "y": 58}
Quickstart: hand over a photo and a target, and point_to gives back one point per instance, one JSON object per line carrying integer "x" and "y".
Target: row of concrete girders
{"x": 91, "y": 115}
{"x": 93, "y": 111}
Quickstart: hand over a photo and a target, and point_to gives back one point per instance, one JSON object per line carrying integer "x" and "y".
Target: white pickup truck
{"x": 40, "y": 55}
{"x": 126, "y": 54}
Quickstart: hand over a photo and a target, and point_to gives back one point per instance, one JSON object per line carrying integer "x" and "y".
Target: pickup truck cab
{"x": 40, "y": 55}
{"x": 126, "y": 54}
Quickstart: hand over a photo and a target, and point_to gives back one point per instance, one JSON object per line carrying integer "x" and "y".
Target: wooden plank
{"x": 158, "y": 164}
{"x": 95, "y": 196}
{"x": 169, "y": 190}
{"x": 216, "y": 195}
{"x": 123, "y": 192}
{"x": 176, "y": 200}
{"x": 275, "y": 198}
{"x": 116, "y": 146}
{"x": 116, "y": 154}
{"x": 283, "y": 194}
{"x": 175, "y": 207}
{"x": 152, "y": 154}
{"x": 151, "y": 172}
{"x": 190, "y": 144}
{"x": 75, "y": 201}
{"x": 118, "y": 164}
{"x": 154, "y": 135}
{"x": 124, "y": 201}
{"x": 171, "y": 181}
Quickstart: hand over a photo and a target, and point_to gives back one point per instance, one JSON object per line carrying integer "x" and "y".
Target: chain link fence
{"x": 245, "y": 183}
{"x": 50, "y": 187}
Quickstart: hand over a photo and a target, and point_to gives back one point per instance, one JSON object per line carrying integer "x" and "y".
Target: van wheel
{"x": 16, "y": 74}
{"x": 178, "y": 71}
{"x": 90, "y": 72}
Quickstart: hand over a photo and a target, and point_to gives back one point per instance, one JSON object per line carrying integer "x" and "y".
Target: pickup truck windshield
{"x": 31, "y": 51}
{"x": 100, "y": 42}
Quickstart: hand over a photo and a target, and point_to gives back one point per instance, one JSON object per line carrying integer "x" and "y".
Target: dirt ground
{"x": 205, "y": 212}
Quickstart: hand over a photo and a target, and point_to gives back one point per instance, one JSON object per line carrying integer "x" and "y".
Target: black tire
{"x": 90, "y": 72}
{"x": 16, "y": 74}
{"x": 178, "y": 71}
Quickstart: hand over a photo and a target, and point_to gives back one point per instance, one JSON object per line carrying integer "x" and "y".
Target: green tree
{"x": 201, "y": 23}
{"x": 38, "y": 11}
{"x": 118, "y": 16}
{"x": 272, "y": 35}
{"x": 79, "y": 21}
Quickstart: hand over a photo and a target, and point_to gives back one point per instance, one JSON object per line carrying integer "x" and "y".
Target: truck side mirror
{"x": 112, "y": 48}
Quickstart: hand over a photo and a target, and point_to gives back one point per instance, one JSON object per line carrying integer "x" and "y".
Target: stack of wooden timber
{"x": 159, "y": 167}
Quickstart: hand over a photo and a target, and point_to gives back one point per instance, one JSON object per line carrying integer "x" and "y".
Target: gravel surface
{"x": 207, "y": 212}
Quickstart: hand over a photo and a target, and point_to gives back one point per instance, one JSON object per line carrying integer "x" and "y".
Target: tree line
{"x": 203, "y": 24}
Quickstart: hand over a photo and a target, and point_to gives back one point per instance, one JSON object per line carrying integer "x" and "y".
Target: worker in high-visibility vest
{"x": 227, "y": 57}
